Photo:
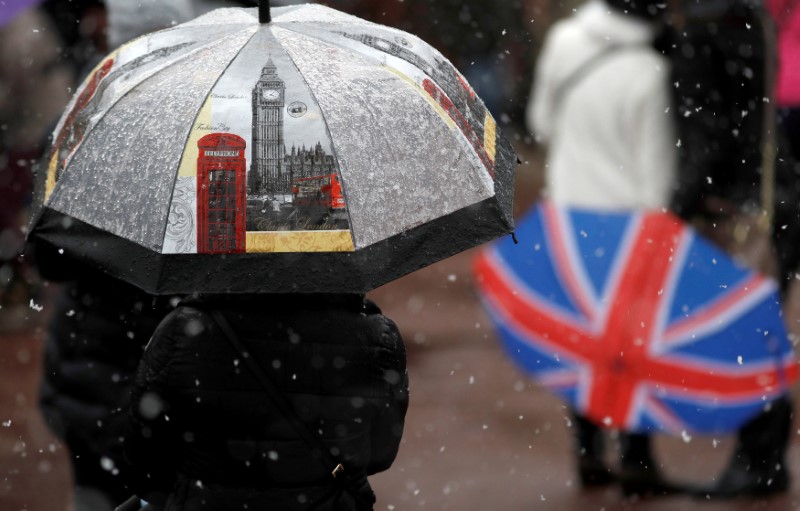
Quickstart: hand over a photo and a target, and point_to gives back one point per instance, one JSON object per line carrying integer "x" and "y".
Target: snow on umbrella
{"x": 637, "y": 321}
{"x": 313, "y": 152}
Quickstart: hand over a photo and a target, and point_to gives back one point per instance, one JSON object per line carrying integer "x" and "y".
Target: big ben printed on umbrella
{"x": 316, "y": 152}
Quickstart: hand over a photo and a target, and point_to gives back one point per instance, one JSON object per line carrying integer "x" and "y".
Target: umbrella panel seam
{"x": 189, "y": 132}
{"x": 313, "y": 95}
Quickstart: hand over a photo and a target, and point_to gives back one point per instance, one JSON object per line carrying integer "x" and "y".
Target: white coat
{"x": 611, "y": 140}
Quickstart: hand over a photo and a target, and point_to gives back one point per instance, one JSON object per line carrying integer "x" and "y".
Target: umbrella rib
{"x": 77, "y": 149}
{"x": 617, "y": 271}
{"x": 428, "y": 89}
{"x": 327, "y": 130}
{"x": 720, "y": 312}
{"x": 178, "y": 58}
{"x": 680, "y": 255}
{"x": 566, "y": 263}
{"x": 62, "y": 124}
{"x": 194, "y": 120}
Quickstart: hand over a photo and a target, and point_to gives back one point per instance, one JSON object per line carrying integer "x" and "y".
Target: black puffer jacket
{"x": 206, "y": 436}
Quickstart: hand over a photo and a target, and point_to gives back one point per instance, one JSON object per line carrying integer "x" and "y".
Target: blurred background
{"x": 479, "y": 434}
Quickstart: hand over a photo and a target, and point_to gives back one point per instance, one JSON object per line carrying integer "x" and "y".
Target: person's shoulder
{"x": 365, "y": 317}
{"x": 383, "y": 330}
{"x": 184, "y": 322}
{"x": 183, "y": 313}
{"x": 646, "y": 58}
{"x": 651, "y": 68}
{"x": 564, "y": 32}
{"x": 565, "y": 43}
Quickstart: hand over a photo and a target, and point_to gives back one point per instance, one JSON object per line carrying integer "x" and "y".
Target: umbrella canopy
{"x": 636, "y": 321}
{"x": 317, "y": 152}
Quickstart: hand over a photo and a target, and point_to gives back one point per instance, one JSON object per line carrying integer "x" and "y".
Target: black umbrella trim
{"x": 505, "y": 167}
{"x": 317, "y": 272}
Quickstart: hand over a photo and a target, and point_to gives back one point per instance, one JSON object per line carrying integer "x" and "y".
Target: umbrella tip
{"x": 263, "y": 11}
{"x": 514, "y": 237}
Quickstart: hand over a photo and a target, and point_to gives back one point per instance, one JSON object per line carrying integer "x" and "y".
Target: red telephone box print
{"x": 221, "y": 194}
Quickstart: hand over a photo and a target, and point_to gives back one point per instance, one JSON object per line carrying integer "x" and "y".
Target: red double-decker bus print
{"x": 463, "y": 124}
{"x": 221, "y": 194}
{"x": 319, "y": 199}
{"x": 72, "y": 132}
{"x": 320, "y": 191}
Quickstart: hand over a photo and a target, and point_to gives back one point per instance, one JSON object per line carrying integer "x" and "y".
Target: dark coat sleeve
{"x": 151, "y": 442}
{"x": 390, "y": 421}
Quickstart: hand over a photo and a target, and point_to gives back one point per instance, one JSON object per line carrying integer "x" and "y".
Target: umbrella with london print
{"x": 306, "y": 151}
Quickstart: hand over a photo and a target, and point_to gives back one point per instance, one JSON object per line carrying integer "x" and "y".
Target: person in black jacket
{"x": 203, "y": 433}
{"x": 720, "y": 61}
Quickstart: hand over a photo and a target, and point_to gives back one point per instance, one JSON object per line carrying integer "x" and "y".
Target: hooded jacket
{"x": 204, "y": 435}
{"x": 600, "y": 101}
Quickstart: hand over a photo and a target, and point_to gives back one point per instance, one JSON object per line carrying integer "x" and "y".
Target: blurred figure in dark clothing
{"x": 99, "y": 325}
{"x": 95, "y": 339}
{"x": 35, "y": 85}
{"x": 721, "y": 62}
{"x": 719, "y": 70}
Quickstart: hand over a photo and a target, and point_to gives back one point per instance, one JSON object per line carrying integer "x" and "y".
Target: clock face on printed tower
{"x": 267, "y": 144}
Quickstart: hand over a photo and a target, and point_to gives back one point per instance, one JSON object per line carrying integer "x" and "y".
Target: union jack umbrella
{"x": 636, "y": 321}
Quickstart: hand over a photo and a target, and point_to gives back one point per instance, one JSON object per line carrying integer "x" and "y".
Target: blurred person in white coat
{"x": 600, "y": 104}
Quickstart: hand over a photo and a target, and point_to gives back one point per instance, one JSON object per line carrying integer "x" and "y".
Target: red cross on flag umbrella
{"x": 637, "y": 321}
